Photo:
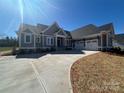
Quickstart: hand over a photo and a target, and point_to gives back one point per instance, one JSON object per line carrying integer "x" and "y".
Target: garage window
{"x": 88, "y": 41}
{"x": 94, "y": 41}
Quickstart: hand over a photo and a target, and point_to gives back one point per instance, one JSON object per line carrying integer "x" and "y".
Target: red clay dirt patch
{"x": 98, "y": 73}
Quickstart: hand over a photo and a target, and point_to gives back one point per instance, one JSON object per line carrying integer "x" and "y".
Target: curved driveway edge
{"x": 86, "y": 54}
{"x": 54, "y": 69}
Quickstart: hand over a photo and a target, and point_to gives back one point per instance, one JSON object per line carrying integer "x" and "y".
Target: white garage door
{"x": 79, "y": 45}
{"x": 91, "y": 44}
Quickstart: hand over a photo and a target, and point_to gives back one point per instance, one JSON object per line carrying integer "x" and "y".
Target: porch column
{"x": 42, "y": 40}
{"x": 65, "y": 42}
{"x": 56, "y": 41}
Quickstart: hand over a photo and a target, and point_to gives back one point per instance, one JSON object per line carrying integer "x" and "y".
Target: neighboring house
{"x": 118, "y": 41}
{"x": 89, "y": 37}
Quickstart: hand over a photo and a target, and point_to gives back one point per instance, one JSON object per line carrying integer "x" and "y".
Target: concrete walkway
{"x": 47, "y": 74}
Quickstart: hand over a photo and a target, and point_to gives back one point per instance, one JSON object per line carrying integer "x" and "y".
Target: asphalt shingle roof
{"x": 68, "y": 33}
{"x": 37, "y": 29}
{"x": 105, "y": 27}
{"x": 41, "y": 27}
{"x": 80, "y": 33}
{"x": 84, "y": 31}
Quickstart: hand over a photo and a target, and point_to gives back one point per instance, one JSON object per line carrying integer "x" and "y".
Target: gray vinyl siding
{"x": 23, "y": 44}
{"x": 68, "y": 42}
{"x": 41, "y": 41}
{"x": 54, "y": 41}
{"x": 99, "y": 41}
{"x": 45, "y": 41}
{"x": 38, "y": 44}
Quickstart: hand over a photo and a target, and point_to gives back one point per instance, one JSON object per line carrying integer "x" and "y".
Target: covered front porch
{"x": 62, "y": 42}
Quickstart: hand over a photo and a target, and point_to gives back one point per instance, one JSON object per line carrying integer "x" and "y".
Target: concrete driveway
{"x": 49, "y": 73}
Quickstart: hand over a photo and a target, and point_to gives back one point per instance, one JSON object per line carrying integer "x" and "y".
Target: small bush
{"x": 116, "y": 50}
{"x": 39, "y": 50}
{"x": 21, "y": 51}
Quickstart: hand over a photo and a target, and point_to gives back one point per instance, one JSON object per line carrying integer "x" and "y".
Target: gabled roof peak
{"x": 89, "y": 25}
{"x": 55, "y": 24}
{"x": 106, "y": 27}
{"x": 41, "y": 25}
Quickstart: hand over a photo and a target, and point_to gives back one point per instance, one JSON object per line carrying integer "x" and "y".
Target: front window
{"x": 28, "y": 39}
{"x": 50, "y": 41}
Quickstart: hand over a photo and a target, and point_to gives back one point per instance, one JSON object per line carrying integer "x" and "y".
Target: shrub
{"x": 39, "y": 50}
{"x": 21, "y": 51}
{"x": 68, "y": 48}
{"x": 116, "y": 50}
{"x": 53, "y": 49}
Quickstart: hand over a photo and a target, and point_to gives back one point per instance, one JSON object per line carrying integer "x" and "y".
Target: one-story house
{"x": 89, "y": 37}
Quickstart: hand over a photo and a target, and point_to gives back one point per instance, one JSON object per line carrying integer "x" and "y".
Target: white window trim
{"x": 27, "y": 34}
{"x": 49, "y": 43}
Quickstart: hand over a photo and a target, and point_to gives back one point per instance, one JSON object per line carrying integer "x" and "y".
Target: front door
{"x": 60, "y": 42}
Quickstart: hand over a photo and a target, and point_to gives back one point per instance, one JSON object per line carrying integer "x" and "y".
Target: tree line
{"x": 8, "y": 42}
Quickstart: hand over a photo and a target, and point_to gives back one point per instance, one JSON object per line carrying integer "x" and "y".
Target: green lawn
{"x": 5, "y": 49}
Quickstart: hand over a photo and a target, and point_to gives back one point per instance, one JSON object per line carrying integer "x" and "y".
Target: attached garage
{"x": 91, "y": 44}
{"x": 79, "y": 44}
